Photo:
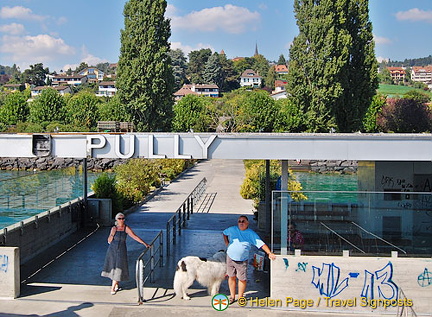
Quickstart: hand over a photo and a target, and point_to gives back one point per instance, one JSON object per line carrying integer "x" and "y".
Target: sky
{"x": 63, "y": 34}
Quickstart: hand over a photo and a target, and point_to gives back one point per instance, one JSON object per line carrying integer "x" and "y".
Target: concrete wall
{"x": 352, "y": 284}
{"x": 38, "y": 233}
{"x": 9, "y": 272}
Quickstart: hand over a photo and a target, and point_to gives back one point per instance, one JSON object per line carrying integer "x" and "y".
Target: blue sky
{"x": 62, "y": 34}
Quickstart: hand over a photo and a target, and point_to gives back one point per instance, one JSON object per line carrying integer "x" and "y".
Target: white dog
{"x": 208, "y": 272}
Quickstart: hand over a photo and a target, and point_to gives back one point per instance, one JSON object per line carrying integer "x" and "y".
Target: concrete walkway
{"x": 71, "y": 284}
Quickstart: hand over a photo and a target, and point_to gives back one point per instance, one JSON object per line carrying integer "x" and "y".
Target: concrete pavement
{"x": 71, "y": 285}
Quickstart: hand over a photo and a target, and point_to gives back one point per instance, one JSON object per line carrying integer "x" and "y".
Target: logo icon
{"x": 220, "y": 302}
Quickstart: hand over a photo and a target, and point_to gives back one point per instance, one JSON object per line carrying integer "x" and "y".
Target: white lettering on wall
{"x": 91, "y": 145}
{"x": 151, "y": 148}
{"x": 112, "y": 144}
{"x": 206, "y": 145}
{"x": 131, "y": 147}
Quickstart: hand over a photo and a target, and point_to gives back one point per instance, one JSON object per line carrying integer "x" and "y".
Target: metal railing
{"x": 178, "y": 221}
{"x": 173, "y": 227}
{"x": 144, "y": 262}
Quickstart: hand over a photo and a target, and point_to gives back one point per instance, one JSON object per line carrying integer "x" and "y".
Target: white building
{"x": 107, "y": 89}
{"x": 250, "y": 78}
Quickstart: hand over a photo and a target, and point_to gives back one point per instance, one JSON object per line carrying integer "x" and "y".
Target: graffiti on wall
{"x": 425, "y": 278}
{"x": 377, "y": 284}
{"x": 4, "y": 263}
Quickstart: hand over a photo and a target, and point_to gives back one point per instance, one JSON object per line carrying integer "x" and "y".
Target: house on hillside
{"x": 250, "y": 78}
{"x": 62, "y": 90}
{"x": 93, "y": 74}
{"x": 397, "y": 74}
{"x": 64, "y": 80}
{"x": 422, "y": 74}
{"x": 281, "y": 69}
{"x": 207, "y": 90}
{"x": 279, "y": 92}
{"x": 13, "y": 87}
{"x": 107, "y": 89}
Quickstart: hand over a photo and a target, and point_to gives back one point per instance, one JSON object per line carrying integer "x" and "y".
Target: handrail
{"x": 173, "y": 227}
{"x": 141, "y": 265}
{"x": 378, "y": 237}
{"x": 337, "y": 234}
{"x": 178, "y": 221}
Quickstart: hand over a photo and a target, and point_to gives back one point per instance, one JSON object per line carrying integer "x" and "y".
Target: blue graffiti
{"x": 380, "y": 284}
{"x": 425, "y": 279}
{"x": 301, "y": 266}
{"x": 286, "y": 263}
{"x": 4, "y": 263}
{"x": 326, "y": 280}
{"x": 353, "y": 274}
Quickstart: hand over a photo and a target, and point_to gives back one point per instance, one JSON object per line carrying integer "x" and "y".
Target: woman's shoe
{"x": 113, "y": 292}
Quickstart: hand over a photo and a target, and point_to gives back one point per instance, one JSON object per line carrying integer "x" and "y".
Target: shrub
{"x": 105, "y": 187}
{"x": 253, "y": 186}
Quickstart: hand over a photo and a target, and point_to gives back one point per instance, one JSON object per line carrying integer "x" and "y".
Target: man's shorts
{"x": 237, "y": 268}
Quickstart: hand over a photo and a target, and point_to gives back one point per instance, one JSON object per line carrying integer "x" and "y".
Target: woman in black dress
{"x": 116, "y": 263}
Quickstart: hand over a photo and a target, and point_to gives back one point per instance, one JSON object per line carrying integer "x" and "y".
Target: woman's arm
{"x": 112, "y": 233}
{"x": 132, "y": 234}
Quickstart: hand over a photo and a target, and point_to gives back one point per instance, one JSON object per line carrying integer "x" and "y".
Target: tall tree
{"x": 14, "y": 108}
{"x": 145, "y": 81}
{"x": 48, "y": 106}
{"x": 35, "y": 75}
{"x": 281, "y": 60}
{"x": 179, "y": 66}
{"x": 333, "y": 74}
{"x": 213, "y": 72}
{"x": 196, "y": 65}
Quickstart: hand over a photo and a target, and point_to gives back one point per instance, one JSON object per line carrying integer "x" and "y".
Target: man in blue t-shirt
{"x": 239, "y": 240}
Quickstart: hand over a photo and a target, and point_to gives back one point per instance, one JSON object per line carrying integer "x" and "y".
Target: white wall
{"x": 352, "y": 284}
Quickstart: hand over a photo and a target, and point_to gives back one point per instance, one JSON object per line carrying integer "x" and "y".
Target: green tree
{"x": 213, "y": 72}
{"x": 260, "y": 65}
{"x": 418, "y": 96}
{"x": 289, "y": 118}
{"x": 333, "y": 74}
{"x": 35, "y": 75}
{"x": 230, "y": 76}
{"x": 191, "y": 113}
{"x": 14, "y": 109}
{"x": 281, "y": 60}
{"x": 257, "y": 112}
{"x": 385, "y": 77}
{"x": 113, "y": 110}
{"x": 81, "y": 67}
{"x": 82, "y": 109}
{"x": 375, "y": 108}
{"x": 179, "y": 67}
{"x": 271, "y": 78}
{"x": 48, "y": 106}
{"x": 196, "y": 65}
{"x": 144, "y": 76}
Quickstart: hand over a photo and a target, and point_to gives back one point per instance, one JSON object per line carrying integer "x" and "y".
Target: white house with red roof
{"x": 250, "y": 78}
{"x": 207, "y": 90}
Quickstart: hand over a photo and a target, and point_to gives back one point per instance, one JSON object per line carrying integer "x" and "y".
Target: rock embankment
{"x": 52, "y": 163}
{"x": 324, "y": 166}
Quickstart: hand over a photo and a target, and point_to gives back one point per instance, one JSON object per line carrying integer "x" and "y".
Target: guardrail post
{"x": 168, "y": 238}
{"x": 174, "y": 229}
{"x": 151, "y": 265}
{"x": 184, "y": 214}
{"x": 161, "y": 263}
{"x": 188, "y": 208}
{"x": 192, "y": 205}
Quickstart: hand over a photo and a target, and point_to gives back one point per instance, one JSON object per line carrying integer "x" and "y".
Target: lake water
{"x": 329, "y": 183}
{"x": 24, "y": 194}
